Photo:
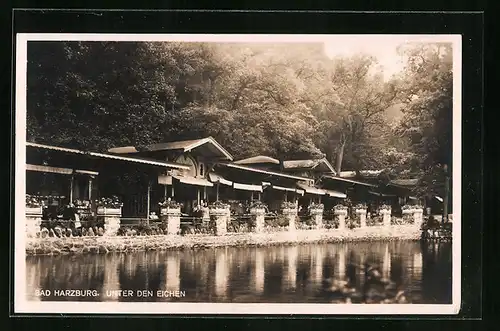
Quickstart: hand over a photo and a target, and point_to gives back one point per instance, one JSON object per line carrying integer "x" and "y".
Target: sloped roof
{"x": 109, "y": 156}
{"x": 258, "y": 159}
{"x": 262, "y": 171}
{"x": 307, "y": 164}
{"x": 404, "y": 182}
{"x": 365, "y": 173}
{"x": 184, "y": 145}
{"x": 349, "y": 181}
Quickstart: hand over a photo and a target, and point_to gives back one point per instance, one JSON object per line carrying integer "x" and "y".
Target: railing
{"x": 240, "y": 223}
{"x": 330, "y": 220}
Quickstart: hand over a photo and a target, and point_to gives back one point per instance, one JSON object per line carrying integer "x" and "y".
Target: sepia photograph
{"x": 238, "y": 174}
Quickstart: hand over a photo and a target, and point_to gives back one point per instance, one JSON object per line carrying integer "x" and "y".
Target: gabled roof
{"x": 308, "y": 164}
{"x": 258, "y": 159}
{"x": 184, "y": 145}
{"x": 109, "y": 156}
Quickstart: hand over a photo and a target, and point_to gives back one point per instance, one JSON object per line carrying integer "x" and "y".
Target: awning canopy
{"x": 381, "y": 194}
{"x": 340, "y": 179}
{"x": 215, "y": 178}
{"x": 247, "y": 187}
{"x": 287, "y": 189}
{"x": 193, "y": 181}
{"x": 336, "y": 194}
{"x": 311, "y": 190}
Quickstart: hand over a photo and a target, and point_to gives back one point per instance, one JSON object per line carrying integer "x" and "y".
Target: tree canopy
{"x": 282, "y": 100}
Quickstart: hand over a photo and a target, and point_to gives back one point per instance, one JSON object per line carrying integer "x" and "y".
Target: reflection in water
{"x": 268, "y": 274}
{"x": 221, "y": 273}
{"x": 386, "y": 266}
{"x": 259, "y": 271}
{"x": 291, "y": 272}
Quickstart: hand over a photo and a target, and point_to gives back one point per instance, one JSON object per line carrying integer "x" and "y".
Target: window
{"x": 201, "y": 169}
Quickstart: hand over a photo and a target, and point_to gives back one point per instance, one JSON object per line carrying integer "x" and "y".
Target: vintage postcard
{"x": 238, "y": 174}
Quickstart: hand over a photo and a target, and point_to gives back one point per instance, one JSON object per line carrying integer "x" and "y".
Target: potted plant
{"x": 316, "y": 208}
{"x": 33, "y": 205}
{"x": 109, "y": 206}
{"x": 169, "y": 206}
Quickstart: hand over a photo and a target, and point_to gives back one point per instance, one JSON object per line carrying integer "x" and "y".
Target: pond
{"x": 313, "y": 273}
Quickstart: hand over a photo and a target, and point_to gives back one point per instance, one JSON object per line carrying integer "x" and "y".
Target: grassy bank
{"x": 103, "y": 245}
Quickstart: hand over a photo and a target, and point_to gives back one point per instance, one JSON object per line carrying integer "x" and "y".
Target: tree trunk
{"x": 340, "y": 156}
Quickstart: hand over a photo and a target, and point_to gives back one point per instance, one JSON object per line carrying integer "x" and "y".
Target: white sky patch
{"x": 384, "y": 48}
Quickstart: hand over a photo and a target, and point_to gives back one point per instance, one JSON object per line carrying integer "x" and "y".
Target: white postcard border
{"x": 22, "y": 305}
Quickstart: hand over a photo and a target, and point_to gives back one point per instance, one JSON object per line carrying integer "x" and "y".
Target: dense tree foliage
{"x": 281, "y": 100}
{"x": 427, "y": 88}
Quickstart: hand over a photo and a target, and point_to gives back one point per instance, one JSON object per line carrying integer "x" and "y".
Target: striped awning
{"x": 311, "y": 190}
{"x": 336, "y": 194}
{"x": 247, "y": 187}
{"x": 193, "y": 181}
{"x": 215, "y": 178}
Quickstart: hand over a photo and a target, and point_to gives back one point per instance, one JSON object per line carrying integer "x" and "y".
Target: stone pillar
{"x": 173, "y": 219}
{"x": 341, "y": 213}
{"x": 33, "y": 221}
{"x": 219, "y": 216}
{"x": 386, "y": 216}
{"x": 418, "y": 216}
{"x": 206, "y": 215}
{"x": 111, "y": 218}
{"x": 258, "y": 214}
{"x": 291, "y": 215}
{"x": 317, "y": 216}
{"x": 361, "y": 212}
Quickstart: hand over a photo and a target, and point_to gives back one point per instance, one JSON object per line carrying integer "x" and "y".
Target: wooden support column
{"x": 148, "y": 206}
{"x": 198, "y": 196}
{"x": 173, "y": 192}
{"x": 90, "y": 188}
{"x": 217, "y": 193}
{"x": 204, "y": 193}
{"x": 165, "y": 194}
{"x": 71, "y": 189}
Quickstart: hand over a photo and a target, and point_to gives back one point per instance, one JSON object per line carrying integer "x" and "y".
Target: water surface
{"x": 280, "y": 274}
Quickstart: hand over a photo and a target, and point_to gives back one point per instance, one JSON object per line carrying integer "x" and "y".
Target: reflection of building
{"x": 33, "y": 275}
{"x": 221, "y": 274}
{"x": 259, "y": 272}
{"x": 386, "y": 264}
{"x": 318, "y": 265}
{"x": 291, "y": 272}
{"x": 341, "y": 262}
{"x": 417, "y": 265}
{"x": 172, "y": 273}
{"x": 111, "y": 281}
